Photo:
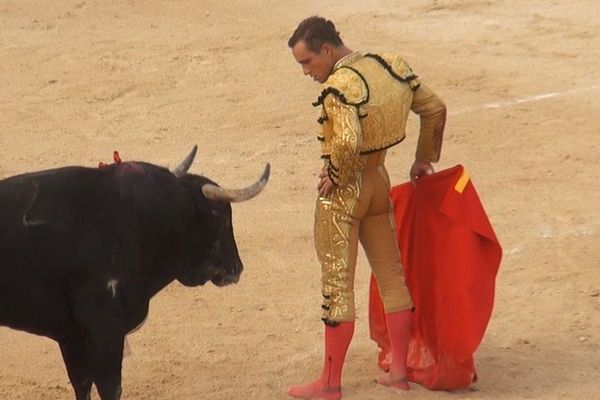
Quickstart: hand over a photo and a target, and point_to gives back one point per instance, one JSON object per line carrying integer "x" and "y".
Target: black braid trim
{"x": 321, "y": 120}
{"x": 320, "y": 138}
{"x": 331, "y": 172}
{"x": 365, "y": 152}
{"x": 389, "y": 68}
{"x": 331, "y": 90}
{"x": 366, "y": 100}
{"x": 330, "y": 322}
{"x": 333, "y": 176}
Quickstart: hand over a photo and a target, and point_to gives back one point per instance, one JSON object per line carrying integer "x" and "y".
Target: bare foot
{"x": 315, "y": 390}
{"x": 389, "y": 380}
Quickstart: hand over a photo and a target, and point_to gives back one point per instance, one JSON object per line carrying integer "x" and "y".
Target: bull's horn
{"x": 182, "y": 168}
{"x": 214, "y": 192}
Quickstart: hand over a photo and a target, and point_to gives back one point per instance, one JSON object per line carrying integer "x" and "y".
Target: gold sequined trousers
{"x": 360, "y": 211}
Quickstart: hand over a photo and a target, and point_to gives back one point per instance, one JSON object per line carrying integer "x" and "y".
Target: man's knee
{"x": 394, "y": 294}
{"x": 338, "y": 306}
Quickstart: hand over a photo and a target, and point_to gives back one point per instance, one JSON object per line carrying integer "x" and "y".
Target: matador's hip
{"x": 359, "y": 211}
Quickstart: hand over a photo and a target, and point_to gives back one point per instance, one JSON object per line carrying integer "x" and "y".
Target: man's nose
{"x": 305, "y": 70}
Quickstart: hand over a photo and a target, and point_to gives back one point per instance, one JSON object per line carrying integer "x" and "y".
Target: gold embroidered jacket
{"x": 364, "y": 108}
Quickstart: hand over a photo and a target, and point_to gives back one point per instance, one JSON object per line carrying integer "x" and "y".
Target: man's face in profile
{"x": 317, "y": 65}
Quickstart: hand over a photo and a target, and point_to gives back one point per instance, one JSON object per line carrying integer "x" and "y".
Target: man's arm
{"x": 345, "y": 157}
{"x": 433, "y": 119}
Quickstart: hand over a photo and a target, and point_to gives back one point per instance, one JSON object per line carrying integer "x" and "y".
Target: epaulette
{"x": 398, "y": 68}
{"x": 348, "y": 85}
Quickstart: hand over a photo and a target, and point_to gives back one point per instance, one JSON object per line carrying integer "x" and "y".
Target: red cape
{"x": 451, "y": 257}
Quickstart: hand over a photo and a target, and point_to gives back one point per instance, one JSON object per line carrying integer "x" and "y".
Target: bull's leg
{"x": 103, "y": 331}
{"x": 78, "y": 368}
{"x": 106, "y": 358}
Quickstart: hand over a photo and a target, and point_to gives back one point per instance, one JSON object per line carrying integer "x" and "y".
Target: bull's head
{"x": 214, "y": 252}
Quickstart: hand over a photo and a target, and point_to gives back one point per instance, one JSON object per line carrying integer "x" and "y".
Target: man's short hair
{"x": 314, "y": 32}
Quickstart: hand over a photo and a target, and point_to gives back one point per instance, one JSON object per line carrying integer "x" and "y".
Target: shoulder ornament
{"x": 348, "y": 85}
{"x": 398, "y": 68}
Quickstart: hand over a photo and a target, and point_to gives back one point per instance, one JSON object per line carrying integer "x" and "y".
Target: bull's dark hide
{"x": 83, "y": 250}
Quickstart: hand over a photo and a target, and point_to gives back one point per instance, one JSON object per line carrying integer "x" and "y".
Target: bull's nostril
{"x": 237, "y": 269}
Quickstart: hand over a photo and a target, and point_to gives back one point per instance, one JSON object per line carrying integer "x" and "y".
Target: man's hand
{"x": 325, "y": 184}
{"x": 419, "y": 169}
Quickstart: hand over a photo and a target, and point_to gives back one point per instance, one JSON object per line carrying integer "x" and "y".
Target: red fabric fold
{"x": 451, "y": 257}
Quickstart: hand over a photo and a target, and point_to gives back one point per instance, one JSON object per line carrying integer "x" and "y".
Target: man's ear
{"x": 328, "y": 49}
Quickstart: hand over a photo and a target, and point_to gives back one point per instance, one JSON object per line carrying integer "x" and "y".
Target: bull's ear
{"x": 182, "y": 168}
{"x": 217, "y": 193}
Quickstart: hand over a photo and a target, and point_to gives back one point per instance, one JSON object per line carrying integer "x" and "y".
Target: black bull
{"x": 83, "y": 250}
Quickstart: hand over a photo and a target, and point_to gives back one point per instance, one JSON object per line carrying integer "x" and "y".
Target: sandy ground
{"x": 521, "y": 80}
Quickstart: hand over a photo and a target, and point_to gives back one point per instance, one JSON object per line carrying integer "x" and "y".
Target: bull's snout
{"x": 229, "y": 279}
{"x": 229, "y": 275}
{"x": 224, "y": 280}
